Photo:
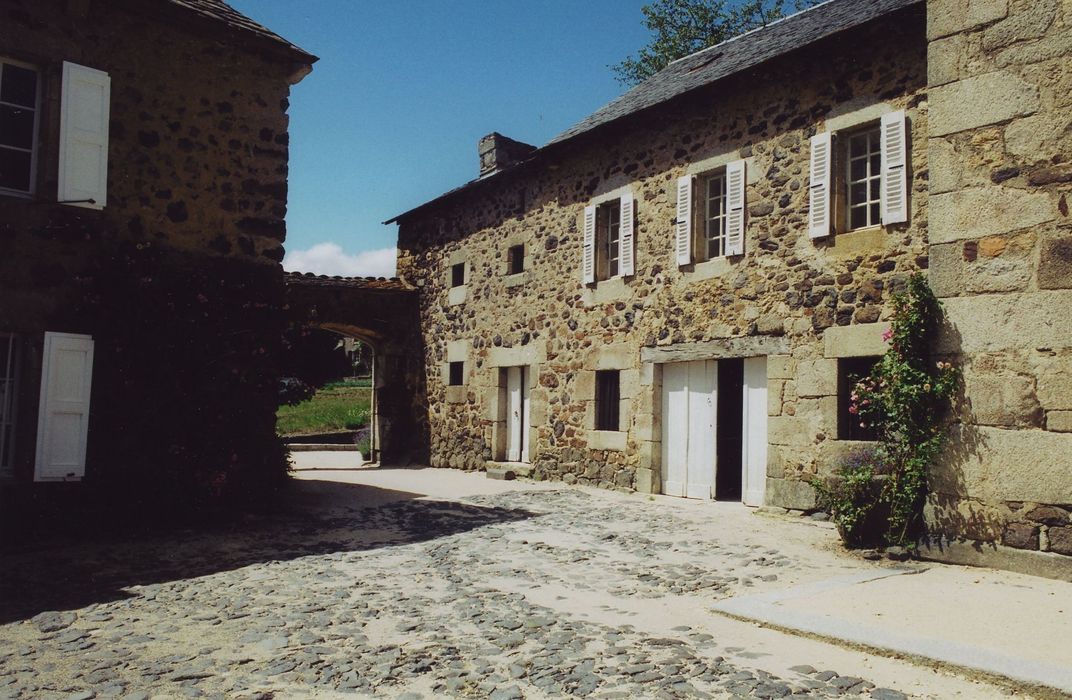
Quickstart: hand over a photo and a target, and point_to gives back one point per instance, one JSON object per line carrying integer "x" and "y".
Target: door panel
{"x": 63, "y": 421}
{"x": 525, "y": 415}
{"x": 513, "y": 414}
{"x": 755, "y": 430}
{"x": 700, "y": 469}
{"x": 675, "y": 422}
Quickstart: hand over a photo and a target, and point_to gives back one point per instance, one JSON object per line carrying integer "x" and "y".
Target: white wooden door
{"x": 703, "y": 386}
{"x": 675, "y": 420}
{"x": 525, "y": 415}
{"x": 688, "y": 419}
{"x": 513, "y": 414}
{"x": 63, "y": 422}
{"x": 754, "y": 455}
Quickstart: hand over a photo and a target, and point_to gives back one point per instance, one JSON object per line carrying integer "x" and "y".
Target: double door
{"x": 714, "y": 429}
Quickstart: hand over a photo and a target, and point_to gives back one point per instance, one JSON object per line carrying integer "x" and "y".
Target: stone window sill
{"x": 613, "y": 289}
{"x": 517, "y": 280}
{"x": 872, "y": 238}
{"x": 607, "y": 440}
{"x": 456, "y": 295}
{"x": 708, "y": 269}
{"x": 456, "y": 393}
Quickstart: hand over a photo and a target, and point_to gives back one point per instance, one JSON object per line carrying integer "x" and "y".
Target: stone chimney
{"x": 498, "y": 153}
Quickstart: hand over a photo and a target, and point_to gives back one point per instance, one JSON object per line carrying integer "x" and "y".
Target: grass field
{"x": 342, "y": 405}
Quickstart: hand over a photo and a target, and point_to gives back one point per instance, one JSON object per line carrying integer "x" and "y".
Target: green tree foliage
{"x": 681, "y": 27}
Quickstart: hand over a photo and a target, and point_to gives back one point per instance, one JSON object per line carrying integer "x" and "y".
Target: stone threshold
{"x": 320, "y": 447}
{"x": 508, "y": 471}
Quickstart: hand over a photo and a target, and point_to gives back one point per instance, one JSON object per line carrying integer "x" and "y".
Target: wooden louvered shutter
{"x": 626, "y": 239}
{"x": 83, "y": 147}
{"x": 588, "y": 264}
{"x": 683, "y": 225}
{"x": 735, "y": 184}
{"x": 894, "y": 168}
{"x": 820, "y": 186}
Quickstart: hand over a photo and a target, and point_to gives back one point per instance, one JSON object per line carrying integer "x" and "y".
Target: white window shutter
{"x": 83, "y": 147}
{"x": 683, "y": 227}
{"x": 820, "y": 186}
{"x": 627, "y": 267}
{"x": 735, "y": 184}
{"x": 894, "y": 168}
{"x": 63, "y": 420}
{"x": 588, "y": 264}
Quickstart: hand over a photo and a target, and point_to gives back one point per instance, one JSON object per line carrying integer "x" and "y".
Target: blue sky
{"x": 391, "y": 114}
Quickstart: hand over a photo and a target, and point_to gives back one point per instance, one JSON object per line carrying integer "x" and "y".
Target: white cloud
{"x": 329, "y": 259}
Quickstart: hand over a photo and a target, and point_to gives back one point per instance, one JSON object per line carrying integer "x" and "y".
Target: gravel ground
{"x": 519, "y": 594}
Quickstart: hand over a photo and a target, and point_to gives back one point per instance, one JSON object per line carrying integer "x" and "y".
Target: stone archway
{"x": 383, "y": 314}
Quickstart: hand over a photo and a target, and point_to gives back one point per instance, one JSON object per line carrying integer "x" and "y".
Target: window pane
{"x": 16, "y": 126}
{"x": 18, "y": 85}
{"x": 858, "y": 170}
{"x": 876, "y": 163}
{"x": 858, "y": 217}
{"x": 14, "y": 170}
{"x": 874, "y": 214}
{"x": 858, "y": 193}
{"x": 875, "y": 189}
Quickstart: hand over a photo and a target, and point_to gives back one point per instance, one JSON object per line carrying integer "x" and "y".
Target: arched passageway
{"x": 383, "y": 314}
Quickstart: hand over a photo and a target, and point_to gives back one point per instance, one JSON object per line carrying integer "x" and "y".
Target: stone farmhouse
{"x": 670, "y": 296}
{"x": 143, "y": 188}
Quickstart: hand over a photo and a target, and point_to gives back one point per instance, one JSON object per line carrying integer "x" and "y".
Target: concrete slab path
{"x": 410, "y": 583}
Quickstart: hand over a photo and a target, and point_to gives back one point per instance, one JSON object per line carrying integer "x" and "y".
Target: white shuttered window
{"x": 735, "y": 184}
{"x": 683, "y": 221}
{"x": 83, "y": 147}
{"x": 894, "y": 168}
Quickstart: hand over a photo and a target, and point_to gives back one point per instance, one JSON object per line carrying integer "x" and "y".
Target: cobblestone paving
{"x": 527, "y": 594}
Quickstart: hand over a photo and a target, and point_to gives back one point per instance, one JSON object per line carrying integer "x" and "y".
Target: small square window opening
{"x": 457, "y": 374}
{"x": 608, "y": 396}
{"x": 515, "y": 259}
{"x": 457, "y": 274}
{"x": 850, "y": 371}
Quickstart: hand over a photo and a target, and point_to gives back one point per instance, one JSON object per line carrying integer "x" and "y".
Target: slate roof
{"x": 715, "y": 63}
{"x": 310, "y": 279}
{"x": 738, "y": 54}
{"x": 220, "y": 11}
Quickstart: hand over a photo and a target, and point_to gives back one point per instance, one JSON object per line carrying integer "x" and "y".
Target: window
{"x": 859, "y": 178}
{"x": 608, "y": 237}
{"x": 8, "y": 374}
{"x": 850, "y": 371}
{"x": 863, "y": 178}
{"x": 608, "y": 240}
{"x": 710, "y": 214}
{"x": 515, "y": 259}
{"x": 712, "y": 241}
{"x": 608, "y": 396}
{"x": 18, "y": 126}
{"x": 457, "y": 274}
{"x": 457, "y": 373}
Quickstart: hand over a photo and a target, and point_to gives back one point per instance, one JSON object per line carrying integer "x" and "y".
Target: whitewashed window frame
{"x": 9, "y": 389}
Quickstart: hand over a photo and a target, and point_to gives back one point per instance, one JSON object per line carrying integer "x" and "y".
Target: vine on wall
{"x": 905, "y": 399}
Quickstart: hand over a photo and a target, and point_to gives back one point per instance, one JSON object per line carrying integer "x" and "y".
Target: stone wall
{"x": 801, "y": 302}
{"x": 1000, "y": 150}
{"x": 197, "y": 187}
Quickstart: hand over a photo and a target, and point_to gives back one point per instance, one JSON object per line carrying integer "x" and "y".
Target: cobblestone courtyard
{"x": 518, "y": 591}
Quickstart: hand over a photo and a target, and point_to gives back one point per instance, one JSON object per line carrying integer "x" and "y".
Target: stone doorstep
{"x": 320, "y": 447}
{"x": 772, "y": 610}
{"x": 508, "y": 471}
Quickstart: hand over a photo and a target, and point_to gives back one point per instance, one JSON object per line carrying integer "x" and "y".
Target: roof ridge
{"x": 746, "y": 33}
